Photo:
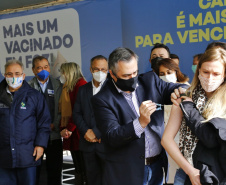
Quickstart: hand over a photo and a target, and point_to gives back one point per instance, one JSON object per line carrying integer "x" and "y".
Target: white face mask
{"x": 99, "y": 76}
{"x": 14, "y": 82}
{"x": 209, "y": 84}
{"x": 62, "y": 79}
{"x": 169, "y": 78}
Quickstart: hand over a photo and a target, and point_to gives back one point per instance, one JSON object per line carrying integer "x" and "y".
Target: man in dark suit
{"x": 128, "y": 116}
{"x": 90, "y": 138}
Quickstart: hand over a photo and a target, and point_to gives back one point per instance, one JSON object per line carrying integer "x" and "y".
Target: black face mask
{"x": 154, "y": 63}
{"x": 127, "y": 85}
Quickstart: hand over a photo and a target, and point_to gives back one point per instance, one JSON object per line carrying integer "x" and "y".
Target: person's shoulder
{"x": 148, "y": 75}
{"x": 54, "y": 80}
{"x": 56, "y": 83}
{"x": 81, "y": 81}
{"x": 220, "y": 124}
{"x": 148, "y": 78}
{"x": 106, "y": 90}
{"x": 35, "y": 96}
{"x": 31, "y": 91}
{"x": 86, "y": 85}
{"x": 32, "y": 81}
{"x": 3, "y": 84}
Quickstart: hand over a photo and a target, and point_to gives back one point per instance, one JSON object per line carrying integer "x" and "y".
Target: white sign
{"x": 44, "y": 34}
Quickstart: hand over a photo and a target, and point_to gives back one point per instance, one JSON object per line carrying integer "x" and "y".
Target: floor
{"x": 43, "y": 176}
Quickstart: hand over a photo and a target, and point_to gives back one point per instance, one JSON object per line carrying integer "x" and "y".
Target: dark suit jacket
{"x": 125, "y": 152}
{"x": 83, "y": 117}
{"x": 210, "y": 152}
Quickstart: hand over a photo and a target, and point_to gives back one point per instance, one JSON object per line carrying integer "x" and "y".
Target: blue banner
{"x": 185, "y": 27}
{"x": 77, "y": 31}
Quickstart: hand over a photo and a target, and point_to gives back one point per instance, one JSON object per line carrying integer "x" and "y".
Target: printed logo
{"x": 23, "y": 105}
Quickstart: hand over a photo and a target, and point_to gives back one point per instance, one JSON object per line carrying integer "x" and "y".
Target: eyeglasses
{"x": 11, "y": 75}
{"x": 97, "y": 70}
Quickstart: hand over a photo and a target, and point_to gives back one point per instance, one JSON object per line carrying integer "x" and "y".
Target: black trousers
{"x": 80, "y": 175}
{"x": 94, "y": 164}
{"x": 54, "y": 161}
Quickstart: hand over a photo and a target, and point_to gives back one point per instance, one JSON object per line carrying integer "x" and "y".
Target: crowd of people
{"x": 121, "y": 128}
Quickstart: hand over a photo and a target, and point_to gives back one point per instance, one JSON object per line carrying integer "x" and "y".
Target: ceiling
{"x": 7, "y": 5}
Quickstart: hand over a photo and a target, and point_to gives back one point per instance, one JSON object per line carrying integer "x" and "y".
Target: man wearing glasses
{"x": 90, "y": 138}
{"x": 25, "y": 127}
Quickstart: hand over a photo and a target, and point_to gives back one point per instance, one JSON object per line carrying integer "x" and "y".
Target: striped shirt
{"x": 152, "y": 141}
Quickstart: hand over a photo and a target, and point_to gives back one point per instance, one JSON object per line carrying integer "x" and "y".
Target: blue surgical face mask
{"x": 193, "y": 67}
{"x": 43, "y": 74}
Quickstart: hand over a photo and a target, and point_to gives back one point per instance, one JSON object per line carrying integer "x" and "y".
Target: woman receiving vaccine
{"x": 169, "y": 71}
{"x": 201, "y": 119}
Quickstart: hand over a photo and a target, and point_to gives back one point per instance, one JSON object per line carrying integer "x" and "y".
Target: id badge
{"x": 50, "y": 92}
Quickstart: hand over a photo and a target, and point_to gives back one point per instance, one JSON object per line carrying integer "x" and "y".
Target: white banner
{"x": 46, "y": 34}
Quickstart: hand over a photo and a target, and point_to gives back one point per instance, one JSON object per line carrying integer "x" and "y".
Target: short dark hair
{"x": 118, "y": 55}
{"x": 37, "y": 59}
{"x": 216, "y": 44}
{"x": 198, "y": 56}
{"x": 154, "y": 63}
{"x": 160, "y": 45}
{"x": 172, "y": 56}
{"x": 98, "y": 57}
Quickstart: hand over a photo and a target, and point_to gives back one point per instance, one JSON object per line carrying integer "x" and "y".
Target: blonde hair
{"x": 72, "y": 73}
{"x": 215, "y": 106}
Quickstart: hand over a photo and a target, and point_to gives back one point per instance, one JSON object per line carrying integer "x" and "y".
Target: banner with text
{"x": 77, "y": 31}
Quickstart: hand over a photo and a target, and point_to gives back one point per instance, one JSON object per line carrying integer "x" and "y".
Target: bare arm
{"x": 171, "y": 147}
